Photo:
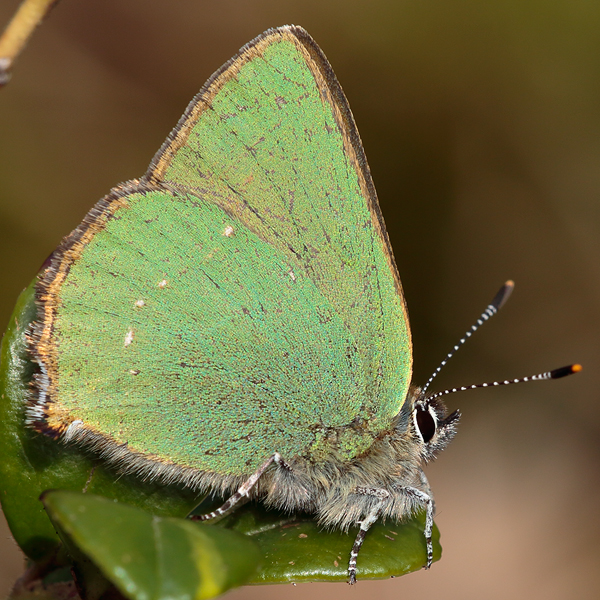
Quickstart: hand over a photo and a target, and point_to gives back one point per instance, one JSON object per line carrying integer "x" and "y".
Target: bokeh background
{"x": 481, "y": 121}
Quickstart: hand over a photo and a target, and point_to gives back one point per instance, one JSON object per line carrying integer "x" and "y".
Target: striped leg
{"x": 244, "y": 489}
{"x": 427, "y": 500}
{"x": 365, "y": 524}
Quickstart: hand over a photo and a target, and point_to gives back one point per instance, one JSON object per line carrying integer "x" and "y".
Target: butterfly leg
{"x": 427, "y": 500}
{"x": 244, "y": 490}
{"x": 365, "y": 524}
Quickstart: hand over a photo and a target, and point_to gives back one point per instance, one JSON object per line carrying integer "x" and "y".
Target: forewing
{"x": 271, "y": 140}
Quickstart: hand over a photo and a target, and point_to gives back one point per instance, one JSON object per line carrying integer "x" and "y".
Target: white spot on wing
{"x": 162, "y": 284}
{"x": 228, "y": 231}
{"x": 292, "y": 275}
{"x": 129, "y": 337}
{"x": 140, "y": 303}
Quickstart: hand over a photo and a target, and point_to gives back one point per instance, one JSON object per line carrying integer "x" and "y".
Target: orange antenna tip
{"x": 503, "y": 295}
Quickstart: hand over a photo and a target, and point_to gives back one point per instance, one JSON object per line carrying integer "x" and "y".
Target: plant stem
{"x": 17, "y": 33}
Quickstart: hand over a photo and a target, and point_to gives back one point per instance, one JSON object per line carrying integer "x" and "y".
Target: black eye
{"x": 426, "y": 424}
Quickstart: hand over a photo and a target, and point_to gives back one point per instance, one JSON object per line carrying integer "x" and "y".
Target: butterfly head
{"x": 433, "y": 427}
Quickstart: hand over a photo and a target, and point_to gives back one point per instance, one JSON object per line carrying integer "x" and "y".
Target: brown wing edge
{"x": 41, "y": 412}
{"x": 352, "y": 138}
{"x": 177, "y": 138}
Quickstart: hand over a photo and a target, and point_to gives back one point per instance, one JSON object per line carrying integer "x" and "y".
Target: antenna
{"x": 495, "y": 305}
{"x": 555, "y": 374}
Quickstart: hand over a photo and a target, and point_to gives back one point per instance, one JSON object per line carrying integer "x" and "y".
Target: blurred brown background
{"x": 481, "y": 121}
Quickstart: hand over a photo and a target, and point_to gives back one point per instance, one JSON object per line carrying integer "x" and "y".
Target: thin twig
{"x": 17, "y": 33}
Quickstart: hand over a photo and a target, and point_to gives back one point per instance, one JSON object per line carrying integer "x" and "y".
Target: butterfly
{"x": 234, "y": 319}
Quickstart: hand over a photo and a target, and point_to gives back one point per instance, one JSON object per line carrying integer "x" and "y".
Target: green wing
{"x": 242, "y": 298}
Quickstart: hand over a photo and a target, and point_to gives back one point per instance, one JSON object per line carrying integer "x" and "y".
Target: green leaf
{"x": 298, "y": 550}
{"x": 294, "y": 549}
{"x": 153, "y": 558}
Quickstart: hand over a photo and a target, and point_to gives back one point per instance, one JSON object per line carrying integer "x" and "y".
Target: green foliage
{"x": 149, "y": 557}
{"x": 150, "y": 551}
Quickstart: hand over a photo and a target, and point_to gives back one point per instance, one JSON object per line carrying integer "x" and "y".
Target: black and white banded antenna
{"x": 493, "y": 307}
{"x": 555, "y": 374}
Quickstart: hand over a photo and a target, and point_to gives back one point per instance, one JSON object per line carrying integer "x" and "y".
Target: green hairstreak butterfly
{"x": 234, "y": 319}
